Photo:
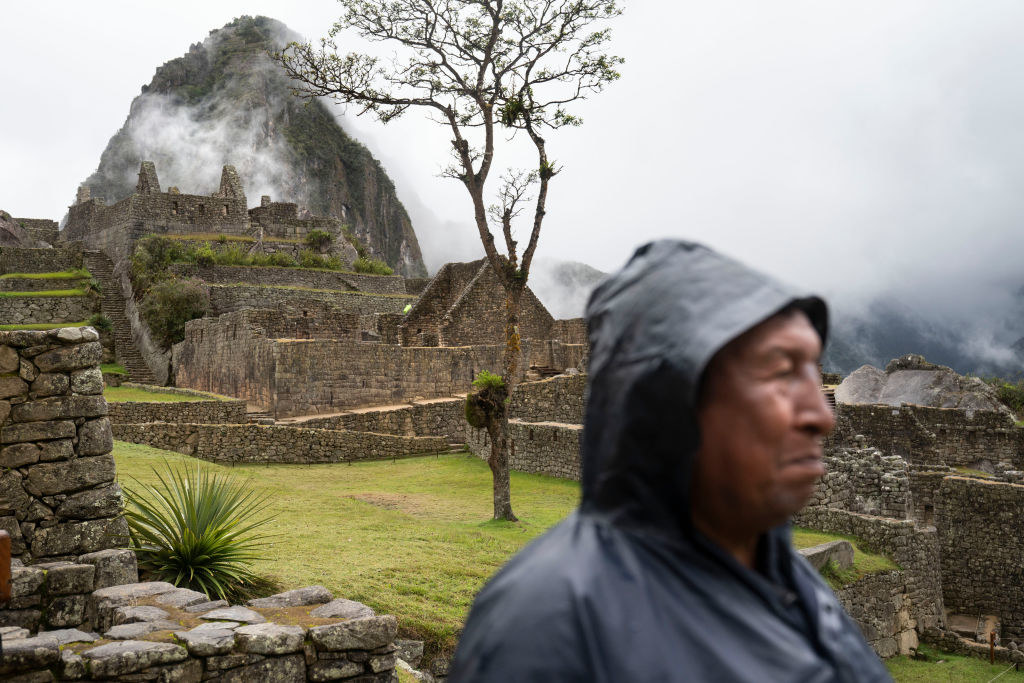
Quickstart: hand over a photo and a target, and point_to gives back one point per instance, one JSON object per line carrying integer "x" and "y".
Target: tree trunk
{"x": 497, "y": 427}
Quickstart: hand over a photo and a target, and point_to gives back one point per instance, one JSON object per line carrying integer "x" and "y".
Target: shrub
{"x": 170, "y": 304}
{"x": 1009, "y": 393}
{"x": 205, "y": 256}
{"x": 100, "y": 322}
{"x": 371, "y": 266}
{"x": 307, "y": 259}
{"x": 319, "y": 239}
{"x": 235, "y": 255}
{"x": 487, "y": 401}
{"x": 282, "y": 259}
{"x": 334, "y": 262}
{"x": 222, "y": 238}
{"x": 198, "y": 529}
{"x": 346, "y": 231}
{"x": 151, "y": 260}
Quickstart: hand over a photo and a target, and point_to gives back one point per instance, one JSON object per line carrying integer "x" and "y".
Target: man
{"x": 702, "y": 436}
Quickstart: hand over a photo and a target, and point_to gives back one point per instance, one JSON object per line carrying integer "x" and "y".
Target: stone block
{"x": 71, "y": 475}
{"x": 135, "y": 613}
{"x": 381, "y": 663}
{"x": 26, "y": 654}
{"x": 61, "y": 449}
{"x": 410, "y": 651}
{"x": 50, "y": 384}
{"x": 105, "y": 501}
{"x": 66, "y": 611}
{"x": 8, "y": 360}
{"x": 68, "y": 358}
{"x": 95, "y": 438}
{"x": 59, "y": 407}
{"x": 310, "y": 595}
{"x": 26, "y": 581}
{"x": 13, "y": 632}
{"x": 237, "y": 613}
{"x": 23, "y": 618}
{"x": 80, "y": 537}
{"x": 232, "y": 661}
{"x": 13, "y": 497}
{"x": 5, "y": 411}
{"x": 206, "y": 606}
{"x": 37, "y": 431}
{"x": 333, "y": 670}
{"x": 129, "y": 656}
{"x": 841, "y": 552}
{"x": 139, "y": 629}
{"x": 19, "y": 455}
{"x": 207, "y": 642}
{"x": 67, "y": 578}
{"x": 88, "y": 381}
{"x": 181, "y": 597}
{"x": 71, "y": 667}
{"x": 114, "y": 567}
{"x": 286, "y": 668}
{"x": 365, "y": 633}
{"x": 12, "y": 385}
{"x": 65, "y": 636}
{"x": 28, "y": 371}
{"x": 342, "y": 609}
{"x": 269, "y": 639}
{"x": 11, "y": 526}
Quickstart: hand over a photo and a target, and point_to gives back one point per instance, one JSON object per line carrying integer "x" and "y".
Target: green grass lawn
{"x": 45, "y": 293}
{"x": 115, "y": 368}
{"x": 864, "y": 562}
{"x": 61, "y": 275}
{"x": 122, "y": 393}
{"x": 940, "y": 666}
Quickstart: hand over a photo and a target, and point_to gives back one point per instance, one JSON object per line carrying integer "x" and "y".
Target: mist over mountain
{"x": 564, "y": 286}
{"x": 226, "y": 102}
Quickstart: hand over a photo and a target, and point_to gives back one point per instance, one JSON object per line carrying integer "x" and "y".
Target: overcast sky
{"x": 853, "y": 147}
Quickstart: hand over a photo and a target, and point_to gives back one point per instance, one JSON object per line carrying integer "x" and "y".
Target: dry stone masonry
{"x": 58, "y": 496}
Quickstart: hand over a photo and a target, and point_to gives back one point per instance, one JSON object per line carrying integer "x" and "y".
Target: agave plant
{"x": 198, "y": 529}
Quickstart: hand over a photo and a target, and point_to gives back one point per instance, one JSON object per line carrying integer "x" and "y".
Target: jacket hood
{"x": 653, "y": 328}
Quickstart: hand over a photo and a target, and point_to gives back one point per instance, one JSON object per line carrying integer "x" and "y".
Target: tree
{"x": 479, "y": 67}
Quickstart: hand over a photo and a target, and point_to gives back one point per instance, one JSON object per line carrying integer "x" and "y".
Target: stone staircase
{"x": 113, "y": 307}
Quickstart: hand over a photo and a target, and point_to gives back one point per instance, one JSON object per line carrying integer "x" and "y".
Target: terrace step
{"x": 113, "y": 306}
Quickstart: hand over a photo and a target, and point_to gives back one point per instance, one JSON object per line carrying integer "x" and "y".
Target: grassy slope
{"x": 940, "y": 666}
{"x": 46, "y": 293}
{"x": 40, "y": 326}
{"x": 120, "y": 394}
{"x": 58, "y": 275}
{"x": 864, "y": 563}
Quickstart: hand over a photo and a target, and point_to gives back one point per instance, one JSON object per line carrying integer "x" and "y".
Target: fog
{"x": 871, "y": 151}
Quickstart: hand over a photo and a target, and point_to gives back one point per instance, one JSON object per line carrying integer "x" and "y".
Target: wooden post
{"x": 991, "y": 647}
{"x": 5, "y": 567}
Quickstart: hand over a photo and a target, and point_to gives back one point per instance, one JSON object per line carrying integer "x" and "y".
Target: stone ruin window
{"x": 929, "y": 515}
{"x": 202, "y": 209}
{"x": 224, "y": 210}
{"x": 174, "y": 208}
{"x": 531, "y": 435}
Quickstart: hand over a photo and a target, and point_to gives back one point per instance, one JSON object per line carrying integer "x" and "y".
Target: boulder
{"x": 129, "y": 656}
{"x": 310, "y": 595}
{"x": 364, "y": 633}
{"x": 342, "y": 609}
{"x": 269, "y": 639}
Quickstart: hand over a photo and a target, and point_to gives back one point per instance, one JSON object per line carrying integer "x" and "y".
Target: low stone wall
{"x": 58, "y": 496}
{"x": 278, "y": 444}
{"x": 230, "y": 298}
{"x": 35, "y": 284}
{"x": 558, "y": 399}
{"x": 292, "y": 277}
{"x": 19, "y": 260}
{"x": 537, "y": 447}
{"x": 979, "y": 531}
{"x": 864, "y": 480}
{"x": 55, "y": 595}
{"x": 200, "y": 412}
{"x": 40, "y": 229}
{"x": 880, "y": 604}
{"x": 155, "y": 632}
{"x": 441, "y": 417}
{"x": 21, "y": 310}
{"x": 914, "y": 549}
{"x": 924, "y": 493}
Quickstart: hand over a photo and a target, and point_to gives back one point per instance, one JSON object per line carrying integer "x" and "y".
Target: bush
{"x": 282, "y": 259}
{"x": 307, "y": 259}
{"x": 100, "y": 322}
{"x": 371, "y": 266}
{"x": 170, "y": 304}
{"x": 222, "y": 238}
{"x": 235, "y": 255}
{"x": 151, "y": 260}
{"x": 1010, "y": 394}
{"x": 487, "y": 401}
{"x": 199, "y": 530}
{"x": 205, "y": 256}
{"x": 346, "y": 231}
{"x": 319, "y": 239}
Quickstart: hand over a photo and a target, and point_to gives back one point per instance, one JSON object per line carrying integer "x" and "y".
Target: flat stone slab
{"x": 365, "y": 633}
{"x": 342, "y": 609}
{"x": 133, "y": 614}
{"x": 71, "y": 635}
{"x": 269, "y": 639}
{"x": 310, "y": 595}
{"x": 139, "y": 629}
{"x": 13, "y": 632}
{"x": 215, "y": 626}
{"x": 841, "y": 552}
{"x": 130, "y": 592}
{"x": 26, "y": 654}
{"x": 242, "y": 614}
{"x": 207, "y": 606}
{"x": 181, "y": 597}
{"x": 129, "y": 656}
{"x": 207, "y": 642}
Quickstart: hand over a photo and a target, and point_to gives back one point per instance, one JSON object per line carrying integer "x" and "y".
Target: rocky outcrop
{"x": 226, "y": 102}
{"x": 913, "y": 380}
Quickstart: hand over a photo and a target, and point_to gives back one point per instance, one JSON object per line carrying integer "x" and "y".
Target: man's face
{"x": 762, "y": 415}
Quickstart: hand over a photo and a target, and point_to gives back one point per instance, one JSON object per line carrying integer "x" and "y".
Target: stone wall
{"x": 439, "y": 417}
{"x": 55, "y": 595}
{"x": 932, "y": 436}
{"x": 19, "y": 310}
{"x": 558, "y": 399}
{"x": 24, "y": 284}
{"x": 881, "y": 605}
{"x": 230, "y": 298}
{"x": 18, "y": 260}
{"x": 570, "y": 331}
{"x": 538, "y": 447}
{"x": 864, "y": 480}
{"x": 40, "y": 229}
{"x": 204, "y": 412}
{"x": 274, "y": 444}
{"x": 982, "y": 547}
{"x": 915, "y": 549}
{"x": 925, "y": 496}
{"x": 293, "y": 277}
{"x": 58, "y": 495}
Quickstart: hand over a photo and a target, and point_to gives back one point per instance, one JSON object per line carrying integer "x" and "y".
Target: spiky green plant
{"x": 198, "y": 529}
